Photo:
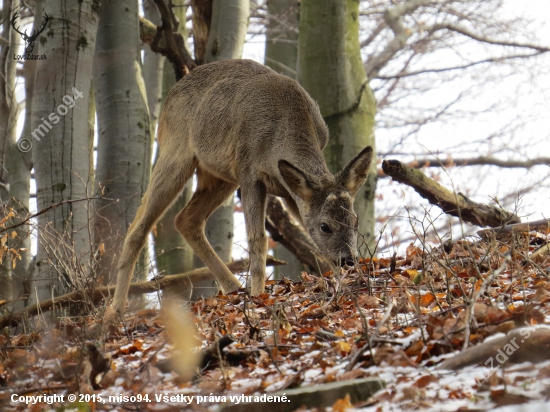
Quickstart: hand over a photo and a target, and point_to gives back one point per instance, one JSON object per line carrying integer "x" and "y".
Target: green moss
{"x": 417, "y": 278}
{"x": 59, "y": 186}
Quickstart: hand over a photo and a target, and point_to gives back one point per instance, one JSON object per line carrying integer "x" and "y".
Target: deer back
{"x": 240, "y": 118}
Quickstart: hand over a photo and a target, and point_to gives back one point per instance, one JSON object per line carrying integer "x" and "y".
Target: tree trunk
{"x": 281, "y": 54}
{"x": 153, "y": 64}
{"x": 227, "y": 30}
{"x": 332, "y": 72}
{"x": 60, "y": 139}
{"x": 125, "y": 144}
{"x": 281, "y": 45}
{"x": 202, "y": 19}
{"x": 7, "y": 85}
{"x": 225, "y": 41}
{"x": 10, "y": 157}
{"x": 19, "y": 165}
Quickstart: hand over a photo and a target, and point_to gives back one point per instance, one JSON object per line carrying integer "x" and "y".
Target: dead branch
{"x": 52, "y": 206}
{"x": 171, "y": 45}
{"x": 284, "y": 229}
{"x": 481, "y": 161}
{"x": 474, "y": 161}
{"x": 507, "y": 230}
{"x": 136, "y": 288}
{"x": 527, "y": 344}
{"x": 500, "y": 59}
{"x": 393, "y": 17}
{"x": 455, "y": 204}
{"x": 483, "y": 39}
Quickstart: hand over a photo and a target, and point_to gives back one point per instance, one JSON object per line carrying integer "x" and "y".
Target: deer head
{"x": 326, "y": 205}
{"x": 29, "y": 40}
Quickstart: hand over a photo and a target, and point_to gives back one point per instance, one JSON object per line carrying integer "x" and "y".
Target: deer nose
{"x": 347, "y": 261}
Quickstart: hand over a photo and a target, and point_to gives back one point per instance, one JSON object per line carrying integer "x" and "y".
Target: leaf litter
{"x": 395, "y": 318}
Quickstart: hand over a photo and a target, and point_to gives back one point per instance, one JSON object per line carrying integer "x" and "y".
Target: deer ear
{"x": 354, "y": 175}
{"x": 296, "y": 180}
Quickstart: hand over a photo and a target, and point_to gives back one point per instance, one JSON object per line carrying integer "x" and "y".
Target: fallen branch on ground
{"x": 528, "y": 344}
{"x": 455, "y": 204}
{"x": 542, "y": 225}
{"x": 136, "y": 288}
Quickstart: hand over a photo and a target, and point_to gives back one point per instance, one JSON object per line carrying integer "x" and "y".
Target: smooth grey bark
{"x": 9, "y": 111}
{"x": 281, "y": 54}
{"x": 153, "y": 64}
{"x": 332, "y": 72}
{"x": 7, "y": 84}
{"x": 227, "y": 30}
{"x": 125, "y": 140}
{"x": 61, "y": 156}
{"x": 19, "y": 166}
{"x": 281, "y": 44}
{"x": 225, "y": 41}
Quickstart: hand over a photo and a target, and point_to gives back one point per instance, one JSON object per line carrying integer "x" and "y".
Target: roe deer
{"x": 239, "y": 123}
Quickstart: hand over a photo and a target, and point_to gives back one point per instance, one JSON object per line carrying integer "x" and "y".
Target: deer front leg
{"x": 253, "y": 197}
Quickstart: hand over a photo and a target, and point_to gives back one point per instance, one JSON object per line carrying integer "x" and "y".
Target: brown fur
{"x": 237, "y": 124}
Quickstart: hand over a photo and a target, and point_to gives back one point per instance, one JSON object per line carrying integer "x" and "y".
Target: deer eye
{"x": 325, "y": 228}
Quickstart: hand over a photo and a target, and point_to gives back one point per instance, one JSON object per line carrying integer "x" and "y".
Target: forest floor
{"x": 402, "y": 319}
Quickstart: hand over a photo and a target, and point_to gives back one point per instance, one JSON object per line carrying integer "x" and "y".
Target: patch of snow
{"x": 311, "y": 374}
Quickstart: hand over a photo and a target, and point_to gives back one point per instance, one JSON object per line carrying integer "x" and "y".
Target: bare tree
{"x": 8, "y": 117}
{"x": 125, "y": 138}
{"x": 61, "y": 150}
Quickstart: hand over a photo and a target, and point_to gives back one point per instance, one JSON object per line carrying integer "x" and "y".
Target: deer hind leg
{"x": 167, "y": 181}
{"x": 211, "y": 192}
{"x": 253, "y": 196}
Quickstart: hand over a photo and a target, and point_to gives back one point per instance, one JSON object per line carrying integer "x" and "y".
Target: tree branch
{"x": 465, "y": 32}
{"x": 455, "y": 204}
{"x": 462, "y": 67}
{"x": 171, "y": 45}
{"x": 99, "y": 293}
{"x": 501, "y": 232}
{"x": 475, "y": 161}
{"x": 393, "y": 18}
{"x": 202, "y": 19}
{"x": 52, "y": 206}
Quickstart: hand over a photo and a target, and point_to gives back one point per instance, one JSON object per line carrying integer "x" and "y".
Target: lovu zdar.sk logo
{"x": 29, "y": 40}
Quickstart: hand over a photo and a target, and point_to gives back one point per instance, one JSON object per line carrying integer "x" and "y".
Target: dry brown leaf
{"x": 341, "y": 405}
